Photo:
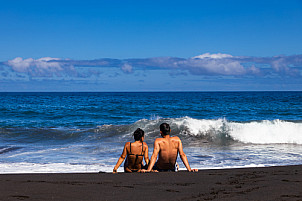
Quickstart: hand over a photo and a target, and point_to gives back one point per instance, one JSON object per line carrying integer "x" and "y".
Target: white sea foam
{"x": 23, "y": 167}
{"x": 266, "y": 132}
{"x": 258, "y": 132}
{"x": 199, "y": 126}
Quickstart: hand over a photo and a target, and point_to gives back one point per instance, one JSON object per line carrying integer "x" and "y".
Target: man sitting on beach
{"x": 167, "y": 149}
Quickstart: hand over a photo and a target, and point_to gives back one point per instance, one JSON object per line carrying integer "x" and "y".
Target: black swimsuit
{"x": 163, "y": 170}
{"x": 136, "y": 156}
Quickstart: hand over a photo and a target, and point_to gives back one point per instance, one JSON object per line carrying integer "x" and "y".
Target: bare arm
{"x": 121, "y": 159}
{"x": 184, "y": 158}
{"x": 146, "y": 155}
{"x": 154, "y": 156}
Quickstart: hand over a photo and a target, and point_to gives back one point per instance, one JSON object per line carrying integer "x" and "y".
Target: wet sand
{"x": 269, "y": 183}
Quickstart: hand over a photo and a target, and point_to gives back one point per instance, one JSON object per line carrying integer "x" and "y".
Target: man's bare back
{"x": 167, "y": 148}
{"x": 168, "y": 151}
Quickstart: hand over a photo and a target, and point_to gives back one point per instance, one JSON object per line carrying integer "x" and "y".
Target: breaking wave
{"x": 222, "y": 130}
{"x": 201, "y": 130}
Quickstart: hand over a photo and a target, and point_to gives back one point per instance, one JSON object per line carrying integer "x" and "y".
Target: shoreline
{"x": 256, "y": 183}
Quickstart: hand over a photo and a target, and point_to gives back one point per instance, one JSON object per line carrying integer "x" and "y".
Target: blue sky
{"x": 150, "y": 45}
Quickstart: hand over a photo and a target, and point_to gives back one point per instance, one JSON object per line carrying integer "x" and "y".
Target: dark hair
{"x": 138, "y": 134}
{"x": 165, "y": 128}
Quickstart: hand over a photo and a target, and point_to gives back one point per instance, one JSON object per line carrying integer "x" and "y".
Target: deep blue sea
{"x": 86, "y": 132}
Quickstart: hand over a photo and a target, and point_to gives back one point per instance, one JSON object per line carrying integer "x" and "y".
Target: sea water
{"x": 86, "y": 132}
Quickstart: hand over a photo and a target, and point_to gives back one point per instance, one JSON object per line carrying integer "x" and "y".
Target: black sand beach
{"x": 269, "y": 183}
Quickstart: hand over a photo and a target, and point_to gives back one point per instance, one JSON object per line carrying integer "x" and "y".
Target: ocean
{"x": 86, "y": 132}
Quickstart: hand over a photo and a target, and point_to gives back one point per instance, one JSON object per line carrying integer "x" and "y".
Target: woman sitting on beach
{"x": 134, "y": 154}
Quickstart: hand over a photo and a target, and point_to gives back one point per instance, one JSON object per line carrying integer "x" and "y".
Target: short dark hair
{"x": 165, "y": 128}
{"x": 138, "y": 134}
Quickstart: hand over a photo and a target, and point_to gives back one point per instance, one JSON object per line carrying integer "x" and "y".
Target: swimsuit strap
{"x": 137, "y": 154}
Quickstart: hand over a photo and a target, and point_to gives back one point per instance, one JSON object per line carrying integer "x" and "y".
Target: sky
{"x": 217, "y": 45}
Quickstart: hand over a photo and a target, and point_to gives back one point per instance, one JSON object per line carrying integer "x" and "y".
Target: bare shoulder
{"x": 158, "y": 140}
{"x": 127, "y": 144}
{"x": 176, "y": 141}
{"x": 145, "y": 144}
{"x": 175, "y": 138}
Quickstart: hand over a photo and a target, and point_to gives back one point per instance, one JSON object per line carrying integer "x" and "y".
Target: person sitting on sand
{"x": 134, "y": 153}
{"x": 167, "y": 149}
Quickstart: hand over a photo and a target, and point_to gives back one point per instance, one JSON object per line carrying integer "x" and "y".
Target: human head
{"x": 138, "y": 134}
{"x": 165, "y": 129}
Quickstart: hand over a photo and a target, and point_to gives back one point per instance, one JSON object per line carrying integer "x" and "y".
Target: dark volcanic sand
{"x": 269, "y": 183}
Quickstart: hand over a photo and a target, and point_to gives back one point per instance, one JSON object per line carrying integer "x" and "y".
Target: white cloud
{"x": 126, "y": 68}
{"x": 20, "y": 65}
{"x": 44, "y": 67}
{"x": 205, "y": 65}
{"x": 214, "y": 67}
{"x": 212, "y": 56}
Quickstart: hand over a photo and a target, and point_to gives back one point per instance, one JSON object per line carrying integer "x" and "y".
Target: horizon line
{"x": 149, "y": 91}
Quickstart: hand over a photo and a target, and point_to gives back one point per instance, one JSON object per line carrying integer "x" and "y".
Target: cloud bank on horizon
{"x": 202, "y": 65}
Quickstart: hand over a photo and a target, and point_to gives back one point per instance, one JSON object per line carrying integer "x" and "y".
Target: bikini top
{"x": 137, "y": 154}
{"x": 136, "y": 158}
